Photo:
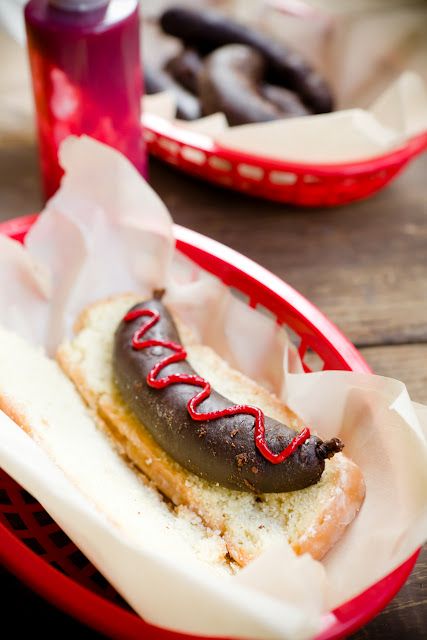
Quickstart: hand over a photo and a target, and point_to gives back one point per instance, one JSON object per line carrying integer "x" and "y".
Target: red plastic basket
{"x": 38, "y": 552}
{"x": 310, "y": 185}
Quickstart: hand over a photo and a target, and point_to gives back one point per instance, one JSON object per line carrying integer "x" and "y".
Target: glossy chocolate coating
{"x": 222, "y": 450}
{"x": 207, "y": 30}
{"x": 287, "y": 101}
{"x": 230, "y": 81}
{"x": 185, "y": 68}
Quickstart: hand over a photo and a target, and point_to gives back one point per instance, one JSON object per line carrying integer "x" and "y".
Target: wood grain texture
{"x": 407, "y": 362}
{"x": 19, "y": 179}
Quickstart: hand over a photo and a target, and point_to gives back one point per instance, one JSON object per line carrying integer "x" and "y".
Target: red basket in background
{"x": 40, "y": 553}
{"x": 310, "y": 185}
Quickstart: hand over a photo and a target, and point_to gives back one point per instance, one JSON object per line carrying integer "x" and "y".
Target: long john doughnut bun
{"x": 311, "y": 520}
{"x": 207, "y": 30}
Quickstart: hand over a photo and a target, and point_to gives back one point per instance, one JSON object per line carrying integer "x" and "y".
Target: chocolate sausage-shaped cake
{"x": 207, "y": 30}
{"x": 231, "y": 81}
{"x": 233, "y": 446}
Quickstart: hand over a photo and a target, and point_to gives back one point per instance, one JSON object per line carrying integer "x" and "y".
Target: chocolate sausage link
{"x": 231, "y": 82}
{"x": 287, "y": 101}
{"x": 207, "y": 30}
{"x": 221, "y": 450}
{"x": 185, "y": 68}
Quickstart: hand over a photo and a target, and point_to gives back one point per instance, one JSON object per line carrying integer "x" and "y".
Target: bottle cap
{"x": 78, "y": 5}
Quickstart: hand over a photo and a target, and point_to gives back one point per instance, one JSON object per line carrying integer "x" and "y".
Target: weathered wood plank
{"x": 404, "y": 362}
{"x": 19, "y": 179}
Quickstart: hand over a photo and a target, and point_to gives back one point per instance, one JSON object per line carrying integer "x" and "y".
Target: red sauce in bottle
{"x": 87, "y": 79}
{"x": 179, "y": 354}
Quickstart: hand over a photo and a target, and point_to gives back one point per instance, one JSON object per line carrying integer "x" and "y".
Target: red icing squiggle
{"x": 197, "y": 381}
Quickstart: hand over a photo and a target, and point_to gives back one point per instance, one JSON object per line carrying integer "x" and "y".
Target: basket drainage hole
{"x": 219, "y": 163}
{"x": 27, "y": 497}
{"x": 99, "y": 580}
{"x": 58, "y": 566}
{"x": 4, "y": 497}
{"x": 265, "y": 311}
{"x": 42, "y": 518}
{"x": 120, "y": 601}
{"x": 236, "y": 293}
{"x": 59, "y": 539}
{"x": 313, "y": 361}
{"x": 34, "y": 545}
{"x": 193, "y": 155}
{"x": 294, "y": 337}
{"x": 16, "y": 522}
{"x": 282, "y": 177}
{"x": 250, "y": 171}
{"x": 78, "y": 559}
{"x": 169, "y": 145}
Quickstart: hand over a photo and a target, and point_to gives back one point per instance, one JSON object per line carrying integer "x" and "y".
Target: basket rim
{"x": 162, "y": 127}
{"x": 108, "y": 617}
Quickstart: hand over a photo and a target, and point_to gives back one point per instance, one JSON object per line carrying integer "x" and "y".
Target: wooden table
{"x": 364, "y": 265}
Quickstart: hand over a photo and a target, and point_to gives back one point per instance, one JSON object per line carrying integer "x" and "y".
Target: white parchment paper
{"x": 105, "y": 232}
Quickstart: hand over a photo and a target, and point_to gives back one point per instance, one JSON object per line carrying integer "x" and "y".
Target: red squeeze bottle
{"x": 87, "y": 79}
